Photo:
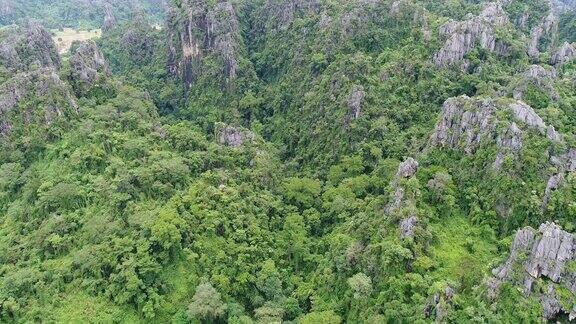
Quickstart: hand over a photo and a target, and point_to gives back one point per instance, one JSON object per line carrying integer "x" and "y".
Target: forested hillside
{"x": 78, "y": 14}
{"x": 289, "y": 161}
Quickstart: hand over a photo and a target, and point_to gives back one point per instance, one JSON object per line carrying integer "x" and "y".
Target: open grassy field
{"x": 64, "y": 38}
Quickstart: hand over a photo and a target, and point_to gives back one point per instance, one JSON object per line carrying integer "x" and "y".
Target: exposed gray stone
{"x": 565, "y": 53}
{"x": 202, "y": 30}
{"x": 27, "y": 48}
{"x": 439, "y": 304}
{"x": 464, "y": 122}
{"x": 461, "y": 37}
{"x": 527, "y": 115}
{"x": 407, "y": 226}
{"x": 109, "y": 19}
{"x": 550, "y": 304}
{"x": 233, "y": 136}
{"x": 537, "y": 254}
{"x": 407, "y": 169}
{"x": 44, "y": 84}
{"x": 546, "y": 28}
{"x": 88, "y": 66}
{"x": 538, "y": 76}
{"x": 553, "y": 183}
{"x": 355, "y": 101}
{"x": 508, "y": 142}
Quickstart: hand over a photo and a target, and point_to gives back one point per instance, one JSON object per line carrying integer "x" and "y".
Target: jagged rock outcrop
{"x": 438, "y": 305}
{"x": 510, "y": 142}
{"x": 548, "y": 253}
{"x": 560, "y": 6}
{"x": 407, "y": 226}
{"x": 466, "y": 121}
{"x": 407, "y": 169}
{"x": 197, "y": 29}
{"x": 527, "y": 115}
{"x": 31, "y": 56}
{"x": 222, "y": 30}
{"x": 462, "y": 36}
{"x": 401, "y": 202}
{"x": 6, "y": 8}
{"x": 565, "y": 53}
{"x": 232, "y": 136}
{"x": 538, "y": 76}
{"x": 44, "y": 86}
{"x": 109, "y": 18}
{"x": 88, "y": 67}
{"x": 354, "y": 103}
{"x": 28, "y": 47}
{"x": 547, "y": 28}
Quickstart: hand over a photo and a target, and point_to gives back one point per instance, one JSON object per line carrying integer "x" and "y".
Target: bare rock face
{"x": 29, "y": 47}
{"x": 109, "y": 18}
{"x": 88, "y": 67}
{"x": 354, "y": 102}
{"x": 32, "y": 58}
{"x": 438, "y": 305}
{"x": 6, "y": 8}
{"x": 464, "y": 123}
{"x": 527, "y": 115}
{"x": 560, "y": 6}
{"x": 222, "y": 27}
{"x": 407, "y": 169}
{"x": 565, "y": 53}
{"x": 547, "y": 28}
{"x": 407, "y": 226}
{"x": 201, "y": 29}
{"x": 54, "y": 100}
{"x": 462, "y": 36}
{"x": 538, "y": 76}
{"x": 508, "y": 142}
{"x": 546, "y": 253}
{"x": 232, "y": 136}
{"x": 401, "y": 202}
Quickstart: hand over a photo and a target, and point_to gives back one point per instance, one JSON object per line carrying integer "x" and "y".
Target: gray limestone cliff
{"x": 547, "y": 255}
{"x": 462, "y": 36}
{"x": 88, "y": 67}
{"x": 467, "y": 123}
{"x": 565, "y": 53}
{"x": 28, "y": 47}
{"x": 197, "y": 29}
{"x": 539, "y": 77}
{"x": 401, "y": 202}
{"x": 29, "y": 53}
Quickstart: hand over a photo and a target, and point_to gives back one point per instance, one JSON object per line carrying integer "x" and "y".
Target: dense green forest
{"x": 78, "y": 14}
{"x": 289, "y": 161}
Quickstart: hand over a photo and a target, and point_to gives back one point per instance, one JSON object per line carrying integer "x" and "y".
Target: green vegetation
{"x": 129, "y": 206}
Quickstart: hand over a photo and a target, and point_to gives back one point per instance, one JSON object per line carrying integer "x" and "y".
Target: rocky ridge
{"x": 402, "y": 202}
{"x": 462, "y": 36}
{"x": 565, "y": 53}
{"x": 195, "y": 30}
{"x": 547, "y": 255}
{"x": 32, "y": 57}
{"x": 28, "y": 47}
{"x": 88, "y": 67}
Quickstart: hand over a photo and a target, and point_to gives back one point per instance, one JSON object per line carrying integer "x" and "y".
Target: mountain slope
{"x": 293, "y": 160}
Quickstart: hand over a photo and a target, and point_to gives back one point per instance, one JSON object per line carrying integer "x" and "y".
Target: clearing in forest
{"x": 64, "y": 37}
